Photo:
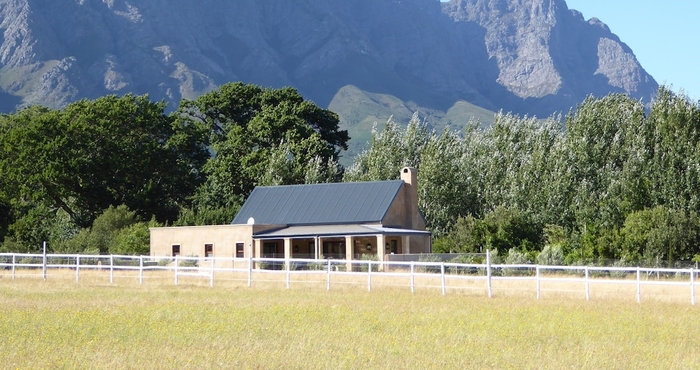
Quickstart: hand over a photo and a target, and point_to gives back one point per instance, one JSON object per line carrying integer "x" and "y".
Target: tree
{"x": 674, "y": 147}
{"x": 446, "y": 189}
{"x": 259, "y": 136}
{"x": 133, "y": 239}
{"x": 468, "y": 235}
{"x": 390, "y": 149}
{"x": 601, "y": 139}
{"x": 94, "y": 154}
{"x": 660, "y": 234}
{"x": 101, "y": 237}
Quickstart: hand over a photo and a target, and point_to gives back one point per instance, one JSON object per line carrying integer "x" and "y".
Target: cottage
{"x": 337, "y": 220}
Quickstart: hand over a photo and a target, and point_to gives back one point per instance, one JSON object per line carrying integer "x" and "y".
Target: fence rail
{"x": 413, "y": 274}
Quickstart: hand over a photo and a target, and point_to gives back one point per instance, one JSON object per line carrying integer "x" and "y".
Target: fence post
{"x": 250, "y": 270}
{"x": 328, "y": 275}
{"x": 442, "y": 276}
{"x": 176, "y": 264}
{"x": 140, "y": 270}
{"x": 13, "y": 266}
{"x": 288, "y": 268}
{"x": 44, "y": 263}
{"x": 413, "y": 282}
{"x": 639, "y": 285}
{"x": 488, "y": 272}
{"x": 537, "y": 276}
{"x": 77, "y": 268}
{"x": 369, "y": 276}
{"x": 588, "y": 286}
{"x": 211, "y": 278}
{"x": 111, "y": 269}
{"x": 692, "y": 286}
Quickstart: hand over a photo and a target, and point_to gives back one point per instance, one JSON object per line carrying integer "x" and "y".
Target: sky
{"x": 664, "y": 36}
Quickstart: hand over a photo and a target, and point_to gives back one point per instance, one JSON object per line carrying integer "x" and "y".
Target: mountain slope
{"x": 527, "y": 56}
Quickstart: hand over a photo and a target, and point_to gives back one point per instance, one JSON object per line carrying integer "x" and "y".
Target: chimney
{"x": 409, "y": 175}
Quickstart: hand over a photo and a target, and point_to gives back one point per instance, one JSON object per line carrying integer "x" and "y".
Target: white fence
{"x": 433, "y": 275}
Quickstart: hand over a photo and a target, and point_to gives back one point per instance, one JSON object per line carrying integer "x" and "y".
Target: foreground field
{"x": 63, "y": 324}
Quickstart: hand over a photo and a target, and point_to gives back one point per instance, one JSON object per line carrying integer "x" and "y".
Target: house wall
{"x": 420, "y": 244}
{"x": 409, "y": 175}
{"x": 192, "y": 240}
{"x": 403, "y": 211}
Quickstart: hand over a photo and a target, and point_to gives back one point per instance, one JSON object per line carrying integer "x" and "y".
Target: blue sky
{"x": 664, "y": 35}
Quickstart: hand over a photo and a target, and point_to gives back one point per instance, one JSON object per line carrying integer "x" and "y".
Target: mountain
{"x": 366, "y": 59}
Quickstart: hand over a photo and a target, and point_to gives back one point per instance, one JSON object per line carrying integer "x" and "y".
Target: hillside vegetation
{"x": 361, "y": 112}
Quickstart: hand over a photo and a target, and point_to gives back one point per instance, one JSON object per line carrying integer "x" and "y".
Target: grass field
{"x": 93, "y": 324}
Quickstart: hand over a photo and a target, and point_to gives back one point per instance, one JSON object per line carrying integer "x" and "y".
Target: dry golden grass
{"x": 61, "y": 323}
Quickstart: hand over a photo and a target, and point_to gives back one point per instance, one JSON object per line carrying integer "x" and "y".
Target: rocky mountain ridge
{"x": 531, "y": 57}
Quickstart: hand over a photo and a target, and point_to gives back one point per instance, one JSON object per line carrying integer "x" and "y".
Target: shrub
{"x": 466, "y": 259}
{"x": 364, "y": 267}
{"x": 516, "y": 257}
{"x": 188, "y": 261}
{"x": 619, "y": 274}
{"x": 429, "y": 258}
{"x": 321, "y": 265}
{"x": 551, "y": 255}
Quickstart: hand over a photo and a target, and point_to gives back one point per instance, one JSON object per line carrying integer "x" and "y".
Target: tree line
{"x": 613, "y": 179}
{"x": 93, "y": 176}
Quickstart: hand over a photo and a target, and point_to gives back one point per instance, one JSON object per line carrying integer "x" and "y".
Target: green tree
{"x": 390, "y": 149}
{"x": 259, "y": 136}
{"x": 674, "y": 173}
{"x": 93, "y": 154}
{"x": 445, "y": 191}
{"x": 660, "y": 234}
{"x": 599, "y": 139}
{"x": 468, "y": 235}
{"x": 101, "y": 237}
{"x": 133, "y": 239}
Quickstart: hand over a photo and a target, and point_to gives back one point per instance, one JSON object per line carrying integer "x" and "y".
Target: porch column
{"x": 258, "y": 251}
{"x": 349, "y": 251}
{"x": 287, "y": 249}
{"x": 381, "y": 248}
{"x": 318, "y": 247}
{"x": 406, "y": 244}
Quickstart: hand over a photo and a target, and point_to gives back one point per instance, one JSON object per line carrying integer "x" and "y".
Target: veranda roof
{"x": 311, "y": 231}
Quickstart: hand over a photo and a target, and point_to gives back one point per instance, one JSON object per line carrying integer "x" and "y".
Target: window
{"x": 239, "y": 250}
{"x": 334, "y": 249}
{"x": 209, "y": 250}
{"x": 269, "y": 249}
{"x": 176, "y": 250}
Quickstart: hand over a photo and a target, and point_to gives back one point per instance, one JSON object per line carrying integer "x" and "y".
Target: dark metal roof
{"x": 320, "y": 204}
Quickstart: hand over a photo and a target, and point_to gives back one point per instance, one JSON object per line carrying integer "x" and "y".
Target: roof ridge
{"x": 328, "y": 183}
